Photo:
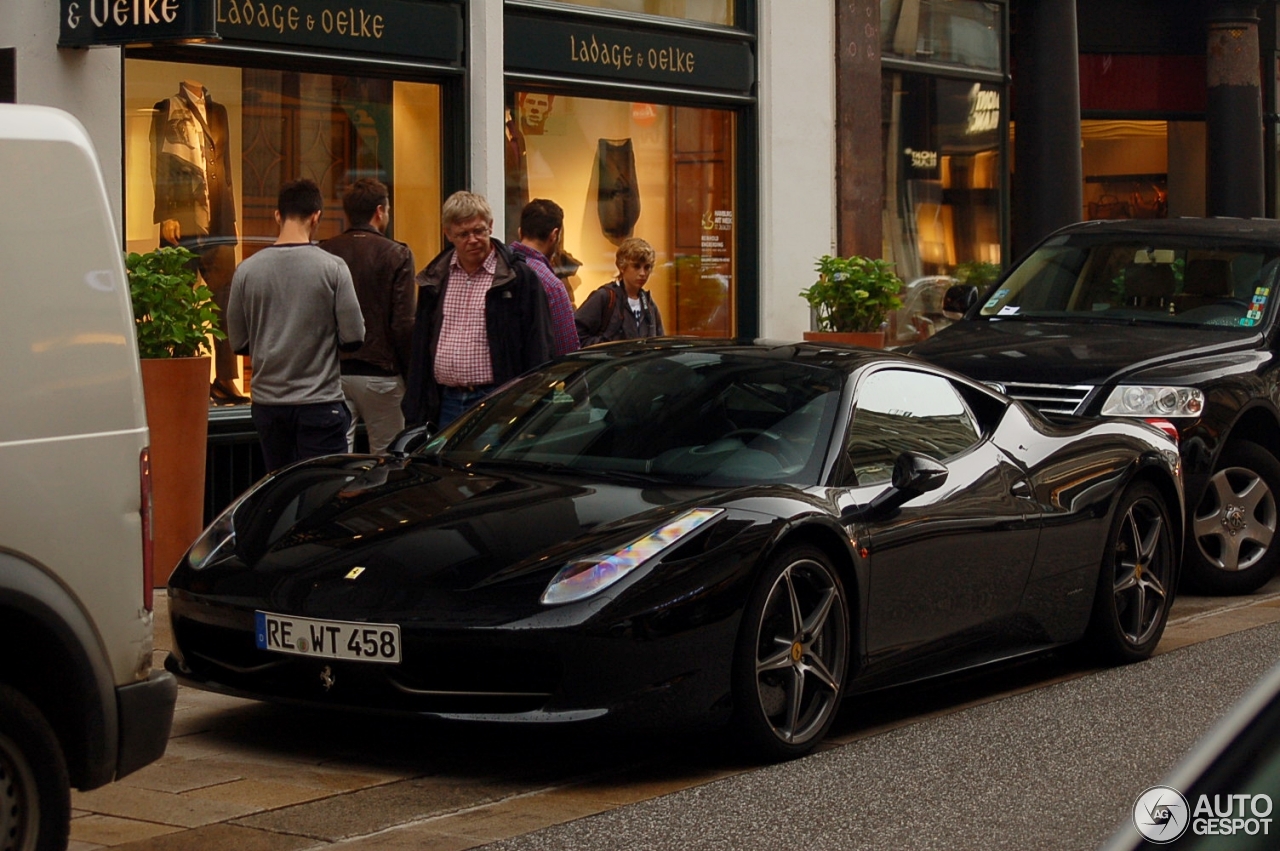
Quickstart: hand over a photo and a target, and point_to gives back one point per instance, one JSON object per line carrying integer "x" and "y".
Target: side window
{"x": 898, "y": 411}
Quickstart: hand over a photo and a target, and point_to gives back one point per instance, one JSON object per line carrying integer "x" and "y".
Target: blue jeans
{"x": 455, "y": 400}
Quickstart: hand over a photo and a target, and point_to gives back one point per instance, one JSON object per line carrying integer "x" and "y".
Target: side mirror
{"x": 913, "y": 474}
{"x": 410, "y": 439}
{"x": 959, "y": 298}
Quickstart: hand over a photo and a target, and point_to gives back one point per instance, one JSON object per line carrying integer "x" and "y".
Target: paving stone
{"x": 222, "y": 837}
{"x": 410, "y": 838}
{"x": 369, "y": 810}
{"x": 262, "y": 795}
{"x": 164, "y": 808}
{"x": 109, "y": 831}
{"x": 181, "y": 775}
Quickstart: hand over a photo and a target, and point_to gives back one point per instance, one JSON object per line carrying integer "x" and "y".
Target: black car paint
{"x": 1011, "y": 546}
{"x": 1239, "y": 373}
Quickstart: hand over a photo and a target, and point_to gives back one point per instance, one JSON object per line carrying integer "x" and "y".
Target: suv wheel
{"x": 1233, "y": 548}
{"x": 35, "y": 797}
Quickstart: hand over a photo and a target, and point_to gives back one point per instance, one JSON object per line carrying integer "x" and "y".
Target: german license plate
{"x": 359, "y": 642}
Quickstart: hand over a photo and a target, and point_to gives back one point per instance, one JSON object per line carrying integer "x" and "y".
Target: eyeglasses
{"x": 474, "y": 233}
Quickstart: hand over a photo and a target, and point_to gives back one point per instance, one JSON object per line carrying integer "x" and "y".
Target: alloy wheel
{"x": 1143, "y": 568}
{"x": 1236, "y": 521}
{"x": 801, "y": 651}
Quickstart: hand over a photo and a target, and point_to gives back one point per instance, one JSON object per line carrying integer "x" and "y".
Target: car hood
{"x": 361, "y": 537}
{"x": 1072, "y": 352}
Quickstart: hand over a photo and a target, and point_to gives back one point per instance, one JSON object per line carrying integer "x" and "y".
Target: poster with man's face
{"x": 534, "y": 110}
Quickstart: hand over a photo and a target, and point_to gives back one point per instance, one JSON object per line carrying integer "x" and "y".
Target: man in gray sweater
{"x": 292, "y": 308}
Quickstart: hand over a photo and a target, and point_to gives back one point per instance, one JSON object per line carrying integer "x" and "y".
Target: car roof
{"x": 1262, "y": 231}
{"x": 835, "y": 356}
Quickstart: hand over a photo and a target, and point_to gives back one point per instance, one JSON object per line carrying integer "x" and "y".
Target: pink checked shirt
{"x": 462, "y": 352}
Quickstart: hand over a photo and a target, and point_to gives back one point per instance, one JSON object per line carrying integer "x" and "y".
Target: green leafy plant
{"x": 853, "y": 293}
{"x": 174, "y": 311}
{"x": 977, "y": 273}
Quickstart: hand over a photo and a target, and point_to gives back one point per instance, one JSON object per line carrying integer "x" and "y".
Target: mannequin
{"x": 194, "y": 203}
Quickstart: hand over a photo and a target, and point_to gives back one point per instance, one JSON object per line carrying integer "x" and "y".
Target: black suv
{"x": 1171, "y": 321}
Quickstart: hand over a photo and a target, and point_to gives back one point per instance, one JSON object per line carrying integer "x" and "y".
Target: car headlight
{"x": 218, "y": 542}
{"x": 215, "y": 543}
{"x": 584, "y": 577}
{"x": 1134, "y": 400}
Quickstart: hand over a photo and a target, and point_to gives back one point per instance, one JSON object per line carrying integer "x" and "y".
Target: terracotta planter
{"x": 866, "y": 339}
{"x": 177, "y": 396}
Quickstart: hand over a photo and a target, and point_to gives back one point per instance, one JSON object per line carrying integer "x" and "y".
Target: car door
{"x": 948, "y": 566}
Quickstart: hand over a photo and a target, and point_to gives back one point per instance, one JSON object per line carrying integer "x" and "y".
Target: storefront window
{"x": 264, "y": 128}
{"x": 943, "y": 167}
{"x": 960, "y": 32}
{"x": 1143, "y": 169}
{"x": 622, "y": 169}
{"x": 707, "y": 11}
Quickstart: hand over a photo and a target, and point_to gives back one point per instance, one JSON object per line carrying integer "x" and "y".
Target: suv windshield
{"x": 1129, "y": 277}
{"x": 690, "y": 417}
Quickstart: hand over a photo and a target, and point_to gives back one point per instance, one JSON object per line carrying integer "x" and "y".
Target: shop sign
{"x": 385, "y": 27}
{"x": 984, "y": 111}
{"x": 629, "y": 55}
{"x": 418, "y": 30}
{"x": 84, "y": 23}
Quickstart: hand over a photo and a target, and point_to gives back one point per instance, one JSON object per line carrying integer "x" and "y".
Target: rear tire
{"x": 1231, "y": 543}
{"x": 792, "y": 656}
{"x": 1136, "y": 580}
{"x": 35, "y": 796}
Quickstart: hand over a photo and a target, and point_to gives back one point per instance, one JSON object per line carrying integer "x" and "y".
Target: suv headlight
{"x": 584, "y": 577}
{"x": 1135, "y": 400}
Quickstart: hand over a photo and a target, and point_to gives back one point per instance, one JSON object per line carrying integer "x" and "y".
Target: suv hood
{"x": 1071, "y": 352}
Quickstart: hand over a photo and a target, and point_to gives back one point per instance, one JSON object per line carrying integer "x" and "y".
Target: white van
{"x": 79, "y": 702}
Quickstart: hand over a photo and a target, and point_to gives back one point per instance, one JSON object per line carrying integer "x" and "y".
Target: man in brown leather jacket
{"x": 382, "y": 269}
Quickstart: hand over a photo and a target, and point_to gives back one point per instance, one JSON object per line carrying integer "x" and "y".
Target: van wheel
{"x": 35, "y": 796}
{"x": 1232, "y": 546}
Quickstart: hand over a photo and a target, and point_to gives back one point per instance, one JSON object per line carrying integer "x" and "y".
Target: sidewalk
{"x": 249, "y": 776}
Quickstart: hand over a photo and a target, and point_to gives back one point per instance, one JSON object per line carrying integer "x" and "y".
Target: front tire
{"x": 792, "y": 655}
{"x": 1232, "y": 547}
{"x": 1136, "y": 580}
{"x": 35, "y": 796}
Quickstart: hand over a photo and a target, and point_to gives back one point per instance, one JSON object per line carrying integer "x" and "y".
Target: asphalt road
{"x": 1051, "y": 768}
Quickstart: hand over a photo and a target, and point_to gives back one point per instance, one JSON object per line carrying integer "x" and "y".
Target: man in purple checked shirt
{"x": 541, "y": 222}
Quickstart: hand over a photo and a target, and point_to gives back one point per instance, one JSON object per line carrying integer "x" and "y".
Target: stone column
{"x": 859, "y": 151}
{"x": 1048, "y": 181}
{"x": 1233, "y": 112}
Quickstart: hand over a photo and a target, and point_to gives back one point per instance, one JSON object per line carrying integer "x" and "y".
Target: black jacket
{"x": 605, "y": 316}
{"x": 382, "y": 271}
{"x": 517, "y": 320}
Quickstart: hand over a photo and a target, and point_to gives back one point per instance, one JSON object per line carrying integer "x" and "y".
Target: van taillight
{"x": 148, "y": 545}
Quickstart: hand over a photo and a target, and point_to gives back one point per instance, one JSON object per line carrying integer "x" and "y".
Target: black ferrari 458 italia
{"x": 659, "y": 533}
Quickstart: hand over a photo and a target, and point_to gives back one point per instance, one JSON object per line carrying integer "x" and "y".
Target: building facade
{"x": 742, "y": 138}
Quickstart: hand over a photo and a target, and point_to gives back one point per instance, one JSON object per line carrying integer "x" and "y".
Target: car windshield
{"x": 1187, "y": 281}
{"x": 702, "y": 418}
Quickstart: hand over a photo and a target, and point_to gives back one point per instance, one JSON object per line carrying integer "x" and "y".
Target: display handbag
{"x": 1109, "y": 207}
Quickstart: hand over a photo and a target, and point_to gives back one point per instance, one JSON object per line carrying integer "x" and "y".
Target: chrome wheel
{"x": 1142, "y": 565}
{"x": 1236, "y": 519}
{"x": 1232, "y": 531}
{"x": 795, "y": 653}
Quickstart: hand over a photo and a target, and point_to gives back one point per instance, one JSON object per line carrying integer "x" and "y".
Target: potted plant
{"x": 175, "y": 316}
{"x": 851, "y": 299}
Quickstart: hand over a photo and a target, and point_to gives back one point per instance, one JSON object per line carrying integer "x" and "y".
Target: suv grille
{"x": 1049, "y": 398}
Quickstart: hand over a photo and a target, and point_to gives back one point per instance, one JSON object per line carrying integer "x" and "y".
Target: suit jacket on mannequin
{"x": 191, "y": 158}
